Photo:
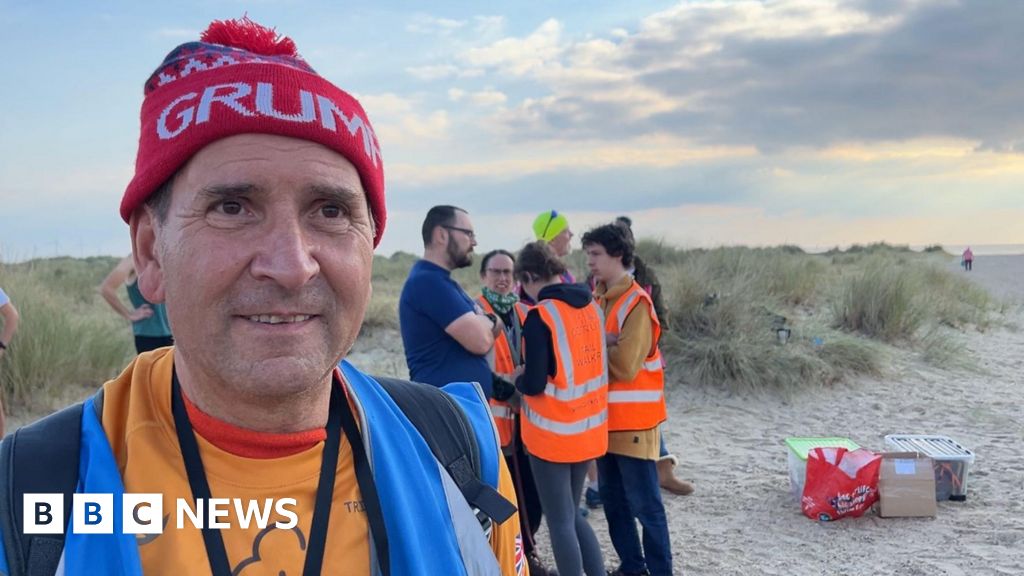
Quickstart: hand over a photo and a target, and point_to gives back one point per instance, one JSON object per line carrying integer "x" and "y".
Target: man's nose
{"x": 285, "y": 255}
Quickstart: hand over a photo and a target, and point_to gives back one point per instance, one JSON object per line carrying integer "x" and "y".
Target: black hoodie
{"x": 540, "y": 352}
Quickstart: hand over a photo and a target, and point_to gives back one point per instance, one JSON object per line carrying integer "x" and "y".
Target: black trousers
{"x": 530, "y": 511}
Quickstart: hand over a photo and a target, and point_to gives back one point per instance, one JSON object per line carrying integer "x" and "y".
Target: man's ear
{"x": 146, "y": 254}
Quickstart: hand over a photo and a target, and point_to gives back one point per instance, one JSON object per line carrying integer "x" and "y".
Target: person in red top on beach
{"x": 968, "y": 259}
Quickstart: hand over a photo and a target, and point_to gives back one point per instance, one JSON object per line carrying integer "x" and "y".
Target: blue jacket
{"x": 417, "y": 496}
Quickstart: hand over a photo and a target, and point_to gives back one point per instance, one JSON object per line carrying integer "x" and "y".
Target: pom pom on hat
{"x": 250, "y": 36}
{"x": 244, "y": 78}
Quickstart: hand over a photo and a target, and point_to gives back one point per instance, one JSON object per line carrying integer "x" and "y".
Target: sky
{"x": 817, "y": 123}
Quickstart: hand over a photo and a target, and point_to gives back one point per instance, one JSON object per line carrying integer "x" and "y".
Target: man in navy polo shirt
{"x": 445, "y": 332}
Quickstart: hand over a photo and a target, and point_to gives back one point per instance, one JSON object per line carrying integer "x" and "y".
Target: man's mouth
{"x": 278, "y": 319}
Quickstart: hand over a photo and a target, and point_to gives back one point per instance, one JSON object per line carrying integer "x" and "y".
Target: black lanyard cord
{"x": 215, "y": 550}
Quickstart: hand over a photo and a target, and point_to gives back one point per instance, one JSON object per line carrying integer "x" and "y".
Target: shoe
{"x": 537, "y": 567}
{"x": 619, "y": 572}
{"x": 592, "y": 498}
{"x": 668, "y": 481}
{"x": 584, "y": 511}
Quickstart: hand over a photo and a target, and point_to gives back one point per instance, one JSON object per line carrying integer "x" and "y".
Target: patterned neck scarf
{"x": 501, "y": 303}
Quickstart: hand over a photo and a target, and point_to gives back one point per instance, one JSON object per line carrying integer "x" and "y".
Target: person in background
{"x": 149, "y": 320}
{"x": 11, "y": 318}
{"x": 968, "y": 259}
{"x": 565, "y": 403}
{"x": 552, "y": 228}
{"x": 256, "y": 204}
{"x": 446, "y": 334}
{"x": 636, "y": 407}
{"x": 648, "y": 280}
{"x": 497, "y": 275}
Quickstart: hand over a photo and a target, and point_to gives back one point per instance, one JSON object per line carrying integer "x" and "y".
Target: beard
{"x": 457, "y": 257}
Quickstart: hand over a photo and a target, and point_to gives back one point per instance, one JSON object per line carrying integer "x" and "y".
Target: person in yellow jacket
{"x": 565, "y": 408}
{"x": 636, "y": 407}
{"x": 497, "y": 297}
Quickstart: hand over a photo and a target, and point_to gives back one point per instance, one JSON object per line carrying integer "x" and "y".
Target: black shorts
{"x": 147, "y": 343}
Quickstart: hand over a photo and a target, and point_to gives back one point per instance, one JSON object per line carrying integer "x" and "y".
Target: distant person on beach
{"x": 648, "y": 280}
{"x": 968, "y": 259}
{"x": 149, "y": 320}
{"x": 636, "y": 407}
{"x": 11, "y": 318}
{"x": 552, "y": 228}
{"x": 256, "y": 203}
{"x": 497, "y": 273}
{"x": 565, "y": 402}
{"x": 446, "y": 334}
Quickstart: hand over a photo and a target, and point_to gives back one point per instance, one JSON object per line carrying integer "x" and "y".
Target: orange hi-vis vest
{"x": 504, "y": 365}
{"x": 640, "y": 404}
{"x": 568, "y": 423}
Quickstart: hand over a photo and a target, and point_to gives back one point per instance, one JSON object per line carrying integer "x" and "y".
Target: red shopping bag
{"x": 840, "y": 483}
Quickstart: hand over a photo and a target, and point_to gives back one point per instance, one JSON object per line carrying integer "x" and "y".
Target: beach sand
{"x": 742, "y": 519}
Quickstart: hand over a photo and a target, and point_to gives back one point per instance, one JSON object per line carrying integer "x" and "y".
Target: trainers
{"x": 592, "y": 498}
{"x": 619, "y": 572}
{"x": 537, "y": 567}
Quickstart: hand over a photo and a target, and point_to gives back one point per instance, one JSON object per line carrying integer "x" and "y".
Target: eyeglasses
{"x": 499, "y": 271}
{"x": 554, "y": 214}
{"x": 469, "y": 233}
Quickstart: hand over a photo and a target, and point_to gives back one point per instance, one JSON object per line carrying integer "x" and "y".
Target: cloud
{"x": 519, "y": 56}
{"x": 397, "y": 119}
{"x": 433, "y": 72}
{"x": 777, "y": 75}
{"x": 426, "y": 24}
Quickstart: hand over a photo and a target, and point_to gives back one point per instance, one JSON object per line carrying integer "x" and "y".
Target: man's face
{"x": 498, "y": 274}
{"x": 605, "y": 268}
{"x": 561, "y": 245}
{"x": 461, "y": 240}
{"x": 264, "y": 262}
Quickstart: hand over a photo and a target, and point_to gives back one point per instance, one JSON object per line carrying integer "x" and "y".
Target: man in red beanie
{"x": 257, "y": 201}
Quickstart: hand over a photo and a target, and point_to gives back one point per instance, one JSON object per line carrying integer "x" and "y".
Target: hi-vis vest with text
{"x": 640, "y": 404}
{"x": 504, "y": 365}
{"x": 569, "y": 422}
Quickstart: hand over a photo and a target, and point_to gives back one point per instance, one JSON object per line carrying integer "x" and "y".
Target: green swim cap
{"x": 549, "y": 224}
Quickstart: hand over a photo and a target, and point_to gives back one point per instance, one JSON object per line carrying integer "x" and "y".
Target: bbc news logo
{"x": 144, "y": 513}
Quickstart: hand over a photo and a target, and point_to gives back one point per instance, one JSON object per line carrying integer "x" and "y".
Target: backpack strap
{"x": 38, "y": 458}
{"x": 446, "y": 429}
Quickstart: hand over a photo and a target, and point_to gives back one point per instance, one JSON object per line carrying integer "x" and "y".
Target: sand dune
{"x": 742, "y": 520}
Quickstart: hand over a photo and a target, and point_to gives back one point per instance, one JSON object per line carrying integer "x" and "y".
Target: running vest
{"x": 504, "y": 365}
{"x": 640, "y": 404}
{"x": 568, "y": 423}
{"x": 417, "y": 496}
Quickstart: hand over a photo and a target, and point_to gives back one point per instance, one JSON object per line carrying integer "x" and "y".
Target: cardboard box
{"x": 906, "y": 485}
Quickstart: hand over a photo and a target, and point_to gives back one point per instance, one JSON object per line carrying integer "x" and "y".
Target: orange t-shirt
{"x": 139, "y": 425}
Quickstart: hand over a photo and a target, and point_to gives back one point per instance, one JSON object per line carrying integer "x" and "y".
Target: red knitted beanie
{"x": 244, "y": 78}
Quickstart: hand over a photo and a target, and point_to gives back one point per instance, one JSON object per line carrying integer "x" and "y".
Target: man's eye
{"x": 331, "y": 211}
{"x": 231, "y": 207}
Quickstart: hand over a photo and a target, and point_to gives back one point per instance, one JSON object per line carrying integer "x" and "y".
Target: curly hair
{"x": 615, "y": 240}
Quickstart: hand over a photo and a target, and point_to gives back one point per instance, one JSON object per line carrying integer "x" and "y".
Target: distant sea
{"x": 978, "y": 249}
{"x": 984, "y": 249}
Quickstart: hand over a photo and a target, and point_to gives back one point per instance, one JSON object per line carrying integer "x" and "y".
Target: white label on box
{"x": 905, "y": 466}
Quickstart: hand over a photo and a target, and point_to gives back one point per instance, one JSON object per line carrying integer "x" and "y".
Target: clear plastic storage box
{"x": 797, "y": 449}
{"x": 952, "y": 461}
